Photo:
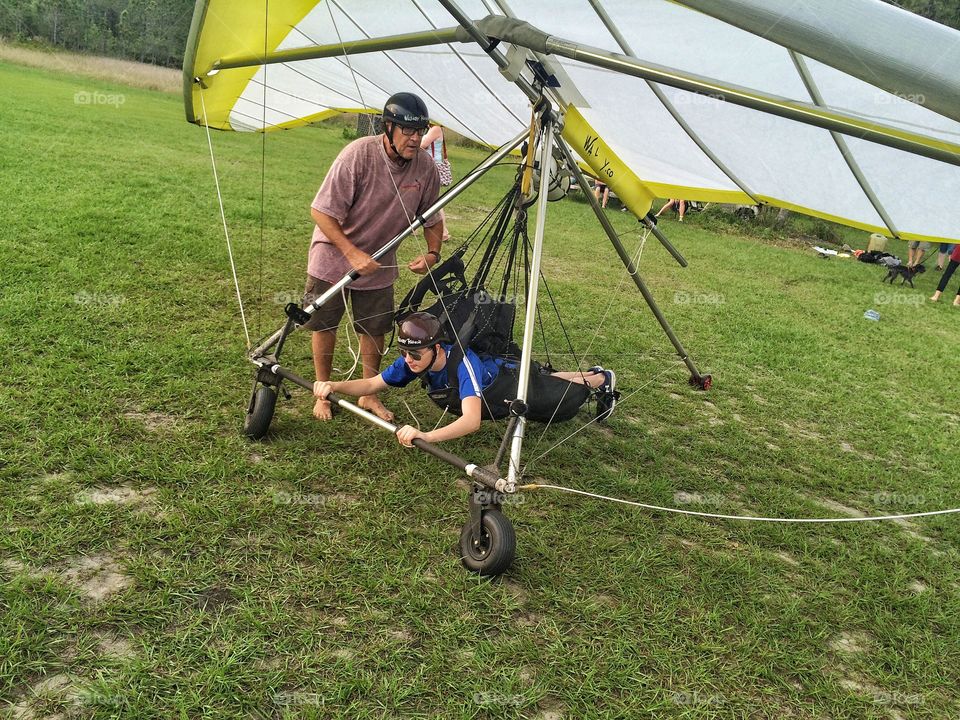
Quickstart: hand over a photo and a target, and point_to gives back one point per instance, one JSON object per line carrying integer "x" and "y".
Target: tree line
{"x": 150, "y": 31}
{"x": 155, "y": 31}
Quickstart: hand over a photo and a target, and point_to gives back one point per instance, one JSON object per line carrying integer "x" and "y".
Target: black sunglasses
{"x": 408, "y": 131}
{"x": 413, "y": 354}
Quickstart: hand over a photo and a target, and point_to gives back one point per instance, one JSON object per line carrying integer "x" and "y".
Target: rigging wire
{"x": 223, "y": 217}
{"x": 750, "y": 518}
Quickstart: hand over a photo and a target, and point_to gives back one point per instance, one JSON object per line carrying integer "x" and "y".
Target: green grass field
{"x": 156, "y": 564}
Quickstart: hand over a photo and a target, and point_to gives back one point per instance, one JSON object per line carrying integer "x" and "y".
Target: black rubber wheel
{"x": 260, "y": 413}
{"x": 497, "y": 546}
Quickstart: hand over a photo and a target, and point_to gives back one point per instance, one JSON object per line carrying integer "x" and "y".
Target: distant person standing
{"x": 948, "y": 273}
{"x": 601, "y": 190}
{"x": 375, "y": 188}
{"x": 945, "y": 250}
{"x": 916, "y": 251}
{"x": 680, "y": 205}
{"x": 436, "y": 144}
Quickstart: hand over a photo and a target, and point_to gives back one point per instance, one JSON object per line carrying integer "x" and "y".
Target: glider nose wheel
{"x": 260, "y": 412}
{"x": 488, "y": 543}
{"x": 263, "y": 402}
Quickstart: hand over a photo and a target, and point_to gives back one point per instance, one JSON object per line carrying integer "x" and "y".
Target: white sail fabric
{"x": 759, "y": 156}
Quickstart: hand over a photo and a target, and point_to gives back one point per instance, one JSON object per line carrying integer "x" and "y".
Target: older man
{"x": 375, "y": 188}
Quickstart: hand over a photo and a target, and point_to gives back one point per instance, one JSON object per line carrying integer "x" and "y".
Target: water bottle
{"x": 871, "y": 315}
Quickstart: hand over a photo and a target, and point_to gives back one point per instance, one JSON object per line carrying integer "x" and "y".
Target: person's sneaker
{"x": 594, "y": 370}
{"x": 607, "y": 396}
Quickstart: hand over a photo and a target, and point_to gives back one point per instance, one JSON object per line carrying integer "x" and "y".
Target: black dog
{"x": 906, "y": 274}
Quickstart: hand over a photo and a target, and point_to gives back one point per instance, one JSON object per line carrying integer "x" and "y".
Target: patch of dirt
{"x": 18, "y": 568}
{"x": 757, "y": 399}
{"x": 918, "y": 586}
{"x": 401, "y": 634}
{"x": 122, "y": 495}
{"x": 674, "y": 396}
{"x": 838, "y": 507}
{"x": 152, "y": 421}
{"x": 114, "y": 646}
{"x": 851, "y": 643}
{"x": 804, "y": 432}
{"x": 515, "y": 589}
{"x": 56, "y": 478}
{"x": 255, "y": 458}
{"x": 214, "y": 599}
{"x": 97, "y": 577}
{"x": 60, "y": 687}
{"x": 715, "y": 421}
{"x": 771, "y": 446}
{"x": 787, "y": 558}
{"x": 910, "y": 529}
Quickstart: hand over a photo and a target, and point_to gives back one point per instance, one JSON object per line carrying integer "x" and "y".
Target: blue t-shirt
{"x": 485, "y": 371}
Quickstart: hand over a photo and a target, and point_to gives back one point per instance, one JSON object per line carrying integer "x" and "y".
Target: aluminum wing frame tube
{"x": 533, "y": 286}
{"x": 504, "y": 150}
{"x": 628, "y": 262}
{"x": 472, "y": 470}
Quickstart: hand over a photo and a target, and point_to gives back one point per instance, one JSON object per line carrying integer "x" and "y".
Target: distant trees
{"x": 151, "y": 31}
{"x": 155, "y": 31}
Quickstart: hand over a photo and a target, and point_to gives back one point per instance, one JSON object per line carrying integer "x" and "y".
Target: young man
{"x": 424, "y": 353}
{"x": 372, "y": 192}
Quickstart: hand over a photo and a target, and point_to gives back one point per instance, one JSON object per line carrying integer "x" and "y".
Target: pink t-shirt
{"x": 361, "y": 192}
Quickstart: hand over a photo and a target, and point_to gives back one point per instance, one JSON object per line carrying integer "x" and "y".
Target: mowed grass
{"x": 155, "y": 563}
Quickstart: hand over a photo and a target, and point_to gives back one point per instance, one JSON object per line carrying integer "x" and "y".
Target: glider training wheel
{"x": 488, "y": 543}
{"x": 262, "y": 404}
{"x": 703, "y": 382}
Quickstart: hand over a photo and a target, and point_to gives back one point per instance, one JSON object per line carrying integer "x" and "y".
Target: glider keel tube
{"x": 475, "y": 472}
{"x": 417, "y": 223}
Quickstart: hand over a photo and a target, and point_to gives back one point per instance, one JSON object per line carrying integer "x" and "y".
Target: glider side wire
{"x": 223, "y": 217}
{"x": 752, "y": 518}
{"x": 589, "y": 344}
{"x": 263, "y": 166}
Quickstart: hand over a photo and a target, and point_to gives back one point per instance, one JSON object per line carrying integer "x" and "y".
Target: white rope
{"x": 223, "y": 217}
{"x": 720, "y": 516}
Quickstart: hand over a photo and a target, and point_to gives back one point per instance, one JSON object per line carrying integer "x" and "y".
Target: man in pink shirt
{"x": 375, "y": 188}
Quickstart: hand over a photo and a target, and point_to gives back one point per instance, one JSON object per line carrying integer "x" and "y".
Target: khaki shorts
{"x": 372, "y": 309}
{"x": 914, "y": 244}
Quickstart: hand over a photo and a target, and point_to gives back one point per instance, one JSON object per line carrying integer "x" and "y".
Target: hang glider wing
{"x": 847, "y": 111}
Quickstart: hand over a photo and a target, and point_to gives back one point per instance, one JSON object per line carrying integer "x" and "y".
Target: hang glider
{"x": 847, "y": 111}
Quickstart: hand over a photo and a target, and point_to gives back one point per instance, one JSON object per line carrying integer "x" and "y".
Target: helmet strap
{"x": 433, "y": 359}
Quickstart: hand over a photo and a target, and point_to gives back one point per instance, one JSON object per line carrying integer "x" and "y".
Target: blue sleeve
{"x": 398, "y": 374}
{"x": 466, "y": 384}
